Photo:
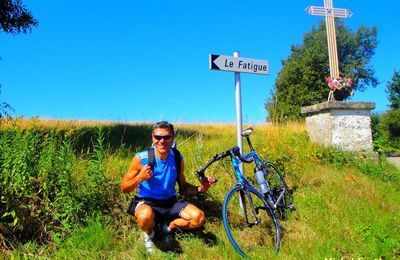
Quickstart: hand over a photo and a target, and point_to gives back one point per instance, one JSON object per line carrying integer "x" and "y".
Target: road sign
{"x": 238, "y": 64}
{"x": 322, "y": 11}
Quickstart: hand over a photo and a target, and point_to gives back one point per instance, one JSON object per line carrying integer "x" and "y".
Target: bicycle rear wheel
{"x": 279, "y": 189}
{"x": 249, "y": 221}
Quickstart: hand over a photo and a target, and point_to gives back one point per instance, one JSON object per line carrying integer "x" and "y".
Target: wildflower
{"x": 339, "y": 83}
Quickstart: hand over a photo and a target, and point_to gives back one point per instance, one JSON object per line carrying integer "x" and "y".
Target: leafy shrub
{"x": 375, "y": 121}
{"x": 334, "y": 156}
{"x": 41, "y": 196}
{"x": 35, "y": 183}
{"x": 391, "y": 122}
{"x": 387, "y": 135}
{"x": 383, "y": 171}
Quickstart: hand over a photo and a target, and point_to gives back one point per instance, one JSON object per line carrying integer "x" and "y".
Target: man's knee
{"x": 144, "y": 216}
{"x": 193, "y": 215}
{"x": 198, "y": 218}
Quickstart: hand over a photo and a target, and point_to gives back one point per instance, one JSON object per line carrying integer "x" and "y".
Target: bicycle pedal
{"x": 291, "y": 207}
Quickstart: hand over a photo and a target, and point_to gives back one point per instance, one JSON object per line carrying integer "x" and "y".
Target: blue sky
{"x": 143, "y": 61}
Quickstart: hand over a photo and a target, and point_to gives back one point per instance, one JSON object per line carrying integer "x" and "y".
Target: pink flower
{"x": 350, "y": 82}
{"x": 339, "y": 83}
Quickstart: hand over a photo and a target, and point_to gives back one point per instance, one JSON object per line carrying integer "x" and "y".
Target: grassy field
{"x": 60, "y": 194}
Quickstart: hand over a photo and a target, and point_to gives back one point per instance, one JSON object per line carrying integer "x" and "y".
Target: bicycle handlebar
{"x": 234, "y": 151}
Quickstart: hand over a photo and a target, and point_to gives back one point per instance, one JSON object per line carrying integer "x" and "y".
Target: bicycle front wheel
{"x": 249, "y": 221}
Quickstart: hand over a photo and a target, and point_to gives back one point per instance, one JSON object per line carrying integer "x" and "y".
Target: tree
{"x": 14, "y": 19}
{"x": 5, "y": 108}
{"x": 302, "y": 80}
{"x": 393, "y": 89}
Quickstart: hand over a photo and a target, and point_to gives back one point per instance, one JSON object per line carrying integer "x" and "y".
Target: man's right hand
{"x": 145, "y": 173}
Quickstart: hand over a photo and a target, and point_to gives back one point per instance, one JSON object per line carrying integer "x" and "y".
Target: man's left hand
{"x": 206, "y": 184}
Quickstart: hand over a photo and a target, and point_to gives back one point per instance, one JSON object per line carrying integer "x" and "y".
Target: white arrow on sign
{"x": 239, "y": 64}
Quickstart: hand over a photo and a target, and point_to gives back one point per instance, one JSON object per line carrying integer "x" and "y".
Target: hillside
{"x": 60, "y": 195}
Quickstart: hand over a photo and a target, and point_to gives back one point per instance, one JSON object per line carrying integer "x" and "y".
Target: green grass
{"x": 347, "y": 205}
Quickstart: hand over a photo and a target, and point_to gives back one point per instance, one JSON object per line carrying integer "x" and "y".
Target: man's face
{"x": 162, "y": 139}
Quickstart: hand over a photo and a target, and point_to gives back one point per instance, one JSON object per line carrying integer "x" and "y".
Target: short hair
{"x": 163, "y": 124}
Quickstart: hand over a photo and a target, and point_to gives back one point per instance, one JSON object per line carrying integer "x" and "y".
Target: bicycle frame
{"x": 239, "y": 175}
{"x": 241, "y": 180}
{"x": 253, "y": 155}
{"x": 237, "y": 158}
{"x": 258, "y": 162}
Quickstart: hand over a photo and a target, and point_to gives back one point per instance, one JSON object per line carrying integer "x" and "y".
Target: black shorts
{"x": 168, "y": 209}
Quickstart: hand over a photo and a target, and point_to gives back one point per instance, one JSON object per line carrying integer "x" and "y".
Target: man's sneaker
{"x": 167, "y": 233}
{"x": 148, "y": 242}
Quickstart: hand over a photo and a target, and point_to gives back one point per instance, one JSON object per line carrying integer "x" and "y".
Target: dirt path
{"x": 394, "y": 160}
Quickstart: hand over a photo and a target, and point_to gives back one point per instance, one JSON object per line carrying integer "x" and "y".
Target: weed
{"x": 92, "y": 241}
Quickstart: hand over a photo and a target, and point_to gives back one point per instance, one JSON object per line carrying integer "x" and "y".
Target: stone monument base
{"x": 346, "y": 125}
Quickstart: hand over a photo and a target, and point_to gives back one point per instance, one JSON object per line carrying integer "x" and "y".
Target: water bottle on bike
{"x": 264, "y": 186}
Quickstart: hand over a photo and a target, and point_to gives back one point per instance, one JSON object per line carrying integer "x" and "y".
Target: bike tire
{"x": 246, "y": 238}
{"x": 277, "y": 185}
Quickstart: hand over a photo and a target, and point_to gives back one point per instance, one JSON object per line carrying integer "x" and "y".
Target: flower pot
{"x": 341, "y": 95}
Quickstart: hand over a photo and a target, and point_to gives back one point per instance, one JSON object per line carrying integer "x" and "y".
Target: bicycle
{"x": 248, "y": 213}
{"x": 271, "y": 182}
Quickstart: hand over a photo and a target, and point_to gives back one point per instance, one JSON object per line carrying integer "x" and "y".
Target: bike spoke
{"x": 250, "y": 228}
{"x": 280, "y": 191}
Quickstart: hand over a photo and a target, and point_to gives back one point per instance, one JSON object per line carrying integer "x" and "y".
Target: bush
{"x": 391, "y": 122}
{"x": 42, "y": 198}
{"x": 387, "y": 133}
{"x": 375, "y": 122}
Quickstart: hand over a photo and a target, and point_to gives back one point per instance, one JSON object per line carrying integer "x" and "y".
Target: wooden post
{"x": 330, "y": 13}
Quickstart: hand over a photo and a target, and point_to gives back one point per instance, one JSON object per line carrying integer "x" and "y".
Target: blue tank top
{"x": 162, "y": 184}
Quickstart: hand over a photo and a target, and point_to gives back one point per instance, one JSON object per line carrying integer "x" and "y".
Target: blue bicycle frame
{"x": 253, "y": 155}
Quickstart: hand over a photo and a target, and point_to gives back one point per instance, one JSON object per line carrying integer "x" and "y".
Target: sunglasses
{"x": 165, "y": 137}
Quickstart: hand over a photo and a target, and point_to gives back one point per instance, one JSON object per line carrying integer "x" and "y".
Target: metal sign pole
{"x": 238, "y": 96}
{"x": 238, "y": 65}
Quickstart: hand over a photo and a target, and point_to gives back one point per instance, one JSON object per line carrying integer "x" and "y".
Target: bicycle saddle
{"x": 247, "y": 132}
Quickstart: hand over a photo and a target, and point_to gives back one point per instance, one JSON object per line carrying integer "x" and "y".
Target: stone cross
{"x": 330, "y": 13}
